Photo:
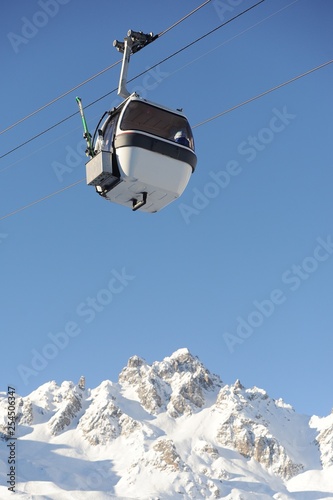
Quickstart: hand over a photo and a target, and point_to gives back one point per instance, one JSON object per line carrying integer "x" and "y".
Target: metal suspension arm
{"x": 122, "y": 90}
{"x": 133, "y": 42}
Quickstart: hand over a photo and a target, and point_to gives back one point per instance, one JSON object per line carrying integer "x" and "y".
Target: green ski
{"x": 89, "y": 151}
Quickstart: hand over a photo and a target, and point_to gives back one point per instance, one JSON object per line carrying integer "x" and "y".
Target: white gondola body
{"x": 131, "y": 164}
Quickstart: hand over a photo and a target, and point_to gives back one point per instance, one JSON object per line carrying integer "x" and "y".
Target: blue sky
{"x": 240, "y": 268}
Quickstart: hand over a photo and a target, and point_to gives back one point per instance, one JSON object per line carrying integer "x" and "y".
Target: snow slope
{"x": 167, "y": 430}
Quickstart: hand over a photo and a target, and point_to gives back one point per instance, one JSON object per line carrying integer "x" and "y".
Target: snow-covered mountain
{"x": 167, "y": 430}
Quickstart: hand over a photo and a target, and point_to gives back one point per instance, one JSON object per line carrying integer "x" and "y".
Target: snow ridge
{"x": 166, "y": 430}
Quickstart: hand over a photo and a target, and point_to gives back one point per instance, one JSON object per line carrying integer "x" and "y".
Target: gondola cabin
{"x": 143, "y": 155}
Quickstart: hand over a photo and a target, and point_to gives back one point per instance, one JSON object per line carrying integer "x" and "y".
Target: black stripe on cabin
{"x": 170, "y": 149}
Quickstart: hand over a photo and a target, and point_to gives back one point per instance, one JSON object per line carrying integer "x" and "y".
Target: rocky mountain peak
{"x": 178, "y": 384}
{"x": 238, "y": 386}
{"x": 135, "y": 362}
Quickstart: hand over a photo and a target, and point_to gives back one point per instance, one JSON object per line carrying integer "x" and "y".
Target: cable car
{"x": 143, "y": 155}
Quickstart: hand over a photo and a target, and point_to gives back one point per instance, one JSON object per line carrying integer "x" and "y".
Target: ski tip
{"x": 78, "y": 99}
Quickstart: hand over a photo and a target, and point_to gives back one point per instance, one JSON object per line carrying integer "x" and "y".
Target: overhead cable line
{"x": 41, "y": 199}
{"x": 97, "y": 74}
{"x": 172, "y": 55}
{"x": 132, "y": 79}
{"x": 195, "y": 126}
{"x": 187, "y": 64}
{"x": 183, "y": 19}
{"x": 236, "y": 36}
{"x": 59, "y": 97}
{"x": 263, "y": 94}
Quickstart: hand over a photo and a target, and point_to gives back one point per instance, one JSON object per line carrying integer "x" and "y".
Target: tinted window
{"x": 105, "y": 137}
{"x": 147, "y": 118}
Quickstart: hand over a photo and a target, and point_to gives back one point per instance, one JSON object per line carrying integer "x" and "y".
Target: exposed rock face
{"x": 25, "y": 412}
{"x": 151, "y": 391}
{"x": 167, "y": 455}
{"x": 67, "y": 412}
{"x": 178, "y": 383}
{"x": 246, "y": 429}
{"x": 324, "y": 438}
{"x": 101, "y": 425}
{"x": 103, "y": 421}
